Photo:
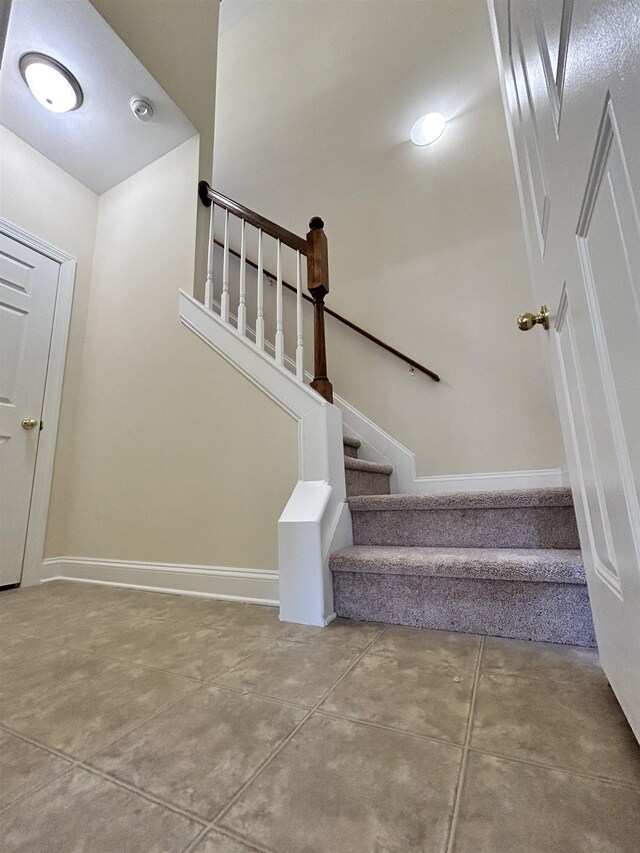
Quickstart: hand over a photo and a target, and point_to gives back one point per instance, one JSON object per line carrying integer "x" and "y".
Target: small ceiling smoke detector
{"x": 428, "y": 128}
{"x": 142, "y": 109}
{"x": 50, "y": 83}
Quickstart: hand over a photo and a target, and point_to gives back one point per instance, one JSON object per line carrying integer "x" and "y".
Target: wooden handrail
{"x": 410, "y": 361}
{"x": 314, "y": 247}
{"x": 208, "y": 195}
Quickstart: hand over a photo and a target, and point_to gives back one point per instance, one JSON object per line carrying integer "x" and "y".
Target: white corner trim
{"x": 378, "y": 446}
{"x": 43, "y": 474}
{"x": 253, "y": 586}
{"x": 313, "y": 521}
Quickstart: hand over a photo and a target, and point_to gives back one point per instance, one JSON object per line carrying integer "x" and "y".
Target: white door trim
{"x": 37, "y": 525}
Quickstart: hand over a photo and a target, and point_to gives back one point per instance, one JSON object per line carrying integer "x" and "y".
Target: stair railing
{"x": 313, "y": 247}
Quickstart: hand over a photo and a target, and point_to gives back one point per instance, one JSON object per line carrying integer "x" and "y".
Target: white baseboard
{"x": 541, "y": 478}
{"x": 378, "y": 446}
{"x": 252, "y": 586}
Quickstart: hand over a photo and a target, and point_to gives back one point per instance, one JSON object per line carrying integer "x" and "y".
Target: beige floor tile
{"x": 83, "y": 813}
{"x": 195, "y": 651}
{"x": 573, "y": 726}
{"x": 418, "y": 699}
{"x": 256, "y": 619}
{"x": 24, "y": 766}
{"x": 293, "y": 672}
{"x": 216, "y": 842}
{"x": 199, "y": 652}
{"x": 343, "y": 786}
{"x": 96, "y": 702}
{"x": 160, "y": 605}
{"x": 346, "y": 633}
{"x": 542, "y": 660}
{"x": 198, "y": 753}
{"x": 34, "y": 670}
{"x": 507, "y": 807}
{"x": 48, "y": 621}
{"x": 422, "y": 646}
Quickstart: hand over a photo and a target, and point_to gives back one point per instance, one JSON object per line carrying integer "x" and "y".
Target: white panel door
{"x": 571, "y": 73}
{"x": 28, "y": 287}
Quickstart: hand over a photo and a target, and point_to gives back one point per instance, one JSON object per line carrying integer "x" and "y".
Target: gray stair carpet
{"x": 351, "y": 446}
{"x": 366, "y": 478}
{"x": 531, "y": 518}
{"x": 523, "y": 564}
{"x": 504, "y": 563}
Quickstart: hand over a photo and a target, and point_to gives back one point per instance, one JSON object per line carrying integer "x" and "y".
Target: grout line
{"x": 147, "y": 795}
{"x": 74, "y": 761}
{"x": 195, "y": 841}
{"x": 252, "y": 845}
{"x": 465, "y": 751}
{"x": 129, "y": 663}
{"x": 281, "y": 746}
{"x": 33, "y": 742}
{"x": 556, "y": 767}
{"x": 431, "y": 738}
{"x": 242, "y": 692}
{"x": 262, "y": 766}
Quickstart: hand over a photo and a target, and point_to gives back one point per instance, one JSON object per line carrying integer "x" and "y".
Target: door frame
{"x": 43, "y": 474}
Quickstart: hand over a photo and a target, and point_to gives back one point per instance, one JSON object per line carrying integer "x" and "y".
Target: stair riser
{"x": 527, "y": 527}
{"x": 351, "y": 452}
{"x": 546, "y": 612}
{"x": 366, "y": 483}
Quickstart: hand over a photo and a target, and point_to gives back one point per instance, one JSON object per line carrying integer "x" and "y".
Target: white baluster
{"x": 299, "y": 329}
{"x": 242, "y": 304}
{"x": 260, "y": 297}
{"x": 279, "y": 327}
{"x": 208, "y": 285}
{"x": 224, "y": 302}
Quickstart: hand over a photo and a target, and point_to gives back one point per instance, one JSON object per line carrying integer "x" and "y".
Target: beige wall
{"x": 165, "y": 452}
{"x": 176, "y": 41}
{"x": 177, "y": 458}
{"x": 45, "y": 201}
{"x": 426, "y": 245}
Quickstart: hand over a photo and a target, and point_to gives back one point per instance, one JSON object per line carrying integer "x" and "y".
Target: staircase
{"x": 501, "y": 563}
{"x": 506, "y": 564}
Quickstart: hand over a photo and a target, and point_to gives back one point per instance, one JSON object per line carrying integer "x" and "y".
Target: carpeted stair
{"x": 363, "y": 477}
{"x": 506, "y": 564}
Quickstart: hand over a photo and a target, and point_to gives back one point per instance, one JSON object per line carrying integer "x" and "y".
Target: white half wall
{"x": 316, "y": 519}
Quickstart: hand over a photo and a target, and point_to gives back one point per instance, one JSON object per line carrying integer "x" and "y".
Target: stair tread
{"x": 364, "y": 465}
{"x": 351, "y": 442}
{"x": 539, "y": 565}
{"x": 515, "y": 498}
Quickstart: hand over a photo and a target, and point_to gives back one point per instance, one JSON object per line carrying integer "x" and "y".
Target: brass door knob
{"x": 527, "y": 320}
{"x": 29, "y": 423}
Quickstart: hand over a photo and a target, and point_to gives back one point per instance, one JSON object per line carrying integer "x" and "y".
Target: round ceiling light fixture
{"x": 428, "y": 128}
{"x": 50, "y": 83}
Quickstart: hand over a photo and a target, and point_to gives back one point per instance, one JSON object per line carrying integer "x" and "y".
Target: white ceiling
{"x": 102, "y": 143}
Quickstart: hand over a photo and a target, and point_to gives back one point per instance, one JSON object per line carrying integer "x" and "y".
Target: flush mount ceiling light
{"x": 428, "y": 128}
{"x": 50, "y": 83}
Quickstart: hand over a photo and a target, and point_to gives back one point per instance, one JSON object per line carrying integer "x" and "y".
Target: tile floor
{"x": 134, "y": 721}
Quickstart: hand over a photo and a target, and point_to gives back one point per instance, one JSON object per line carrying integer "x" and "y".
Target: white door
{"x": 28, "y": 287}
{"x": 571, "y": 74}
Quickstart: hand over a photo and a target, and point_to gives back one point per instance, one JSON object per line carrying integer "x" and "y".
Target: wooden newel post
{"x": 318, "y": 284}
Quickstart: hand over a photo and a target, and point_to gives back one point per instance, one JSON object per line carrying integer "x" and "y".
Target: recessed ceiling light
{"x": 50, "y": 83}
{"x": 428, "y": 128}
